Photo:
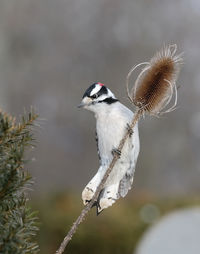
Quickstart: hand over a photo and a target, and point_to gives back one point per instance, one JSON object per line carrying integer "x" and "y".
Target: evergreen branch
{"x": 10, "y": 132}
{"x": 18, "y": 224}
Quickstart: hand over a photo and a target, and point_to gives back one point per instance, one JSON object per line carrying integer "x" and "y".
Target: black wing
{"x": 96, "y": 138}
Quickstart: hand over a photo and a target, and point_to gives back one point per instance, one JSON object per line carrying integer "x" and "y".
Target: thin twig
{"x": 99, "y": 188}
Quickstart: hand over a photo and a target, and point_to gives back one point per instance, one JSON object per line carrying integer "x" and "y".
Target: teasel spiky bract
{"x": 155, "y": 86}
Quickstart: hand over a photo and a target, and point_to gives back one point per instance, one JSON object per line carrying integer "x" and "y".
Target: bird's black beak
{"x": 81, "y": 105}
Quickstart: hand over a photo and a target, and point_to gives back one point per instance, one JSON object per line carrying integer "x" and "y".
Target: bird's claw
{"x": 87, "y": 195}
{"x": 117, "y": 152}
{"x": 130, "y": 130}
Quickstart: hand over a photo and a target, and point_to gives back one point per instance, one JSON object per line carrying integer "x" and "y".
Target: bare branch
{"x": 87, "y": 208}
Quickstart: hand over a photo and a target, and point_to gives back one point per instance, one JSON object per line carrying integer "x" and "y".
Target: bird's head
{"x": 96, "y": 96}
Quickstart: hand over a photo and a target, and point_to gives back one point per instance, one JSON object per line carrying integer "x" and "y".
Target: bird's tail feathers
{"x": 125, "y": 185}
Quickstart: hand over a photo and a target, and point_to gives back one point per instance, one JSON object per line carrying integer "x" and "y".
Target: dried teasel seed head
{"x": 156, "y": 84}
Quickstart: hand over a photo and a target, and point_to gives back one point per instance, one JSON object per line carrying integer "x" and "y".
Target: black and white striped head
{"x": 97, "y": 95}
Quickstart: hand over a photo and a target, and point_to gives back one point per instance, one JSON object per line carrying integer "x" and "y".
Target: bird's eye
{"x": 94, "y": 96}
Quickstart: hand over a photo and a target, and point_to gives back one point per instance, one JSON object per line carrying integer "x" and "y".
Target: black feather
{"x": 87, "y": 93}
{"x": 96, "y": 138}
{"x": 109, "y": 100}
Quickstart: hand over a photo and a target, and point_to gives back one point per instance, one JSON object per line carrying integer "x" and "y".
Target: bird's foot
{"x": 116, "y": 151}
{"x": 87, "y": 195}
{"x": 104, "y": 203}
{"x": 130, "y": 130}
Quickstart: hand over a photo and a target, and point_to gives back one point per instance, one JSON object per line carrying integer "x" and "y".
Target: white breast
{"x": 110, "y": 127}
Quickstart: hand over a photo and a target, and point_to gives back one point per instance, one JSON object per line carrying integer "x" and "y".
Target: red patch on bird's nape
{"x": 100, "y": 84}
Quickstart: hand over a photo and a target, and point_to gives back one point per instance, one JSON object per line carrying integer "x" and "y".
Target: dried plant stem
{"x": 100, "y": 187}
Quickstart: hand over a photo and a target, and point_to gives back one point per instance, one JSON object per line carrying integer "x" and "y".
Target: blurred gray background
{"x": 51, "y": 51}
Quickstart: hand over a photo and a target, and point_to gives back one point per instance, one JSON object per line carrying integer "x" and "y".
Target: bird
{"x": 112, "y": 120}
